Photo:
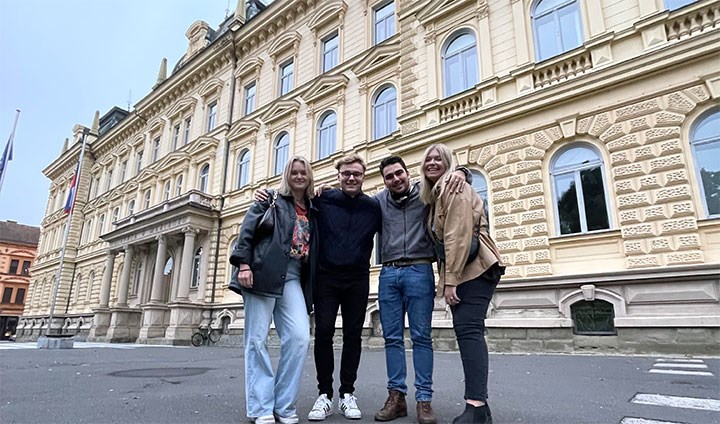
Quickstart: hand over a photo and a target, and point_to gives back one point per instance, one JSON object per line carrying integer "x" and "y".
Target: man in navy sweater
{"x": 347, "y": 222}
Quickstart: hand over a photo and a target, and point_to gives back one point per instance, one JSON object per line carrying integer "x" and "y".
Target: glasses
{"x": 348, "y": 174}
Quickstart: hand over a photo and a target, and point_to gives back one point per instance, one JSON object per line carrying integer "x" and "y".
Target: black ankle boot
{"x": 473, "y": 415}
{"x": 489, "y": 414}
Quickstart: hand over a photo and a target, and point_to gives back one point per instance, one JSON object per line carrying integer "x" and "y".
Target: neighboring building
{"x": 18, "y": 246}
{"x": 592, "y": 127}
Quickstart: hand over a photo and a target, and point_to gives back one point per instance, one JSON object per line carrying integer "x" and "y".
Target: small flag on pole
{"x": 70, "y": 203}
{"x": 7, "y": 153}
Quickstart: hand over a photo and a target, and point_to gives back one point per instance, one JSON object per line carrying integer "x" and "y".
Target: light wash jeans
{"x": 266, "y": 392}
{"x": 411, "y": 290}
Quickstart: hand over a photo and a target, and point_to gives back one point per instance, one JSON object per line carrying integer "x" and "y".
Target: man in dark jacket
{"x": 347, "y": 222}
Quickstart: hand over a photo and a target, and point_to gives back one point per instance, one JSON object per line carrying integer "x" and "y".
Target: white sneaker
{"x": 348, "y": 407}
{"x": 292, "y": 419}
{"x": 321, "y": 409}
{"x": 265, "y": 419}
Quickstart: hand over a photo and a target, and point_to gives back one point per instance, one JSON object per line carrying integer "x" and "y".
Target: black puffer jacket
{"x": 268, "y": 257}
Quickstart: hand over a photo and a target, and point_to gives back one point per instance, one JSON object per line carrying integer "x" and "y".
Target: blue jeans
{"x": 266, "y": 392}
{"x": 411, "y": 290}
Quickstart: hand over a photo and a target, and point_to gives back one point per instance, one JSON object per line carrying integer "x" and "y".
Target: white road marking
{"x": 690, "y": 361}
{"x": 677, "y": 401}
{"x": 681, "y": 372}
{"x": 82, "y": 345}
{"x": 686, "y": 366}
{"x": 633, "y": 420}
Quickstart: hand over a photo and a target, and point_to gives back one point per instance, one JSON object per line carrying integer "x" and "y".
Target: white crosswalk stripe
{"x": 633, "y": 420}
{"x": 677, "y": 401}
{"x": 680, "y": 366}
{"x": 82, "y": 345}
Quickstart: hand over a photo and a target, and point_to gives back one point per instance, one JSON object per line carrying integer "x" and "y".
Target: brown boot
{"x": 425, "y": 414}
{"x": 395, "y": 406}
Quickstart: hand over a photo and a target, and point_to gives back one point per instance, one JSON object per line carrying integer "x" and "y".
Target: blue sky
{"x": 63, "y": 60}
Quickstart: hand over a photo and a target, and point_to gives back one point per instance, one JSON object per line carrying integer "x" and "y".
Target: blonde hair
{"x": 427, "y": 187}
{"x": 351, "y": 158}
{"x": 284, "y": 189}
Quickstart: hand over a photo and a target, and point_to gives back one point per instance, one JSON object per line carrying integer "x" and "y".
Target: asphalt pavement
{"x": 100, "y": 383}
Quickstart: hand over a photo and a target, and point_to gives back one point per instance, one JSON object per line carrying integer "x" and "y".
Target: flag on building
{"x": 70, "y": 203}
{"x": 6, "y": 157}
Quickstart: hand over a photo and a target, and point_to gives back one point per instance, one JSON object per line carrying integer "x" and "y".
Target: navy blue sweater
{"x": 346, "y": 226}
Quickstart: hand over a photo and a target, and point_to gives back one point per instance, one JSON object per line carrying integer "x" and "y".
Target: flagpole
{"x": 56, "y": 286}
{"x": 10, "y": 143}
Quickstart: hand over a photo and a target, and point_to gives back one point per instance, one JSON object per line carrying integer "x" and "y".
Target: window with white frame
{"x": 282, "y": 150}
{"x": 384, "y": 112}
{"x": 677, "y": 4}
{"x": 326, "y": 134}
{"x": 147, "y": 198}
{"x": 197, "y": 261}
{"x": 101, "y": 225}
{"x": 249, "y": 106}
{"x": 383, "y": 22}
{"x": 176, "y": 136}
{"x": 330, "y": 49}
{"x": 204, "y": 176}
{"x": 460, "y": 63}
{"x": 156, "y": 149}
{"x": 179, "y": 185}
{"x": 166, "y": 192}
{"x": 212, "y": 115}
{"x": 705, "y": 142}
{"x": 116, "y": 214}
{"x": 123, "y": 171}
{"x": 243, "y": 168}
{"x": 578, "y": 177}
{"x": 131, "y": 208}
{"x": 286, "y": 77}
{"x": 556, "y": 27}
{"x": 88, "y": 230}
{"x": 186, "y": 130}
{"x": 138, "y": 162}
{"x": 108, "y": 180}
{"x": 479, "y": 184}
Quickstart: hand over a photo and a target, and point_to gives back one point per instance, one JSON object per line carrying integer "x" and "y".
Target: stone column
{"x": 522, "y": 50}
{"x": 186, "y": 264}
{"x": 125, "y": 278}
{"x": 156, "y": 293}
{"x": 486, "y": 57}
{"x": 107, "y": 280}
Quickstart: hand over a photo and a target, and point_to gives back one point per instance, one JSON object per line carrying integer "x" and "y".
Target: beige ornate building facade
{"x": 591, "y": 128}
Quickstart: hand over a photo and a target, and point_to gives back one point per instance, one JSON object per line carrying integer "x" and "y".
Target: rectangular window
{"x": 108, "y": 182}
{"x": 138, "y": 162}
{"x": 123, "y": 170}
{"x": 14, "y": 266}
{"x": 20, "y": 296}
{"x": 286, "y": 77}
{"x": 26, "y": 268}
{"x": 176, "y": 136}
{"x": 186, "y": 134}
{"x": 384, "y": 22}
{"x": 7, "y": 295}
{"x": 156, "y": 148}
{"x": 212, "y": 112}
{"x": 249, "y": 99}
{"x": 330, "y": 52}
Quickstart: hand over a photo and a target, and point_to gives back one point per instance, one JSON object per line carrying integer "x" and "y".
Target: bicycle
{"x": 205, "y": 335}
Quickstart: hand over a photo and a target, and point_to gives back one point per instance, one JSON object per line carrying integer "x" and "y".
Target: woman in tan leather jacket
{"x": 469, "y": 271}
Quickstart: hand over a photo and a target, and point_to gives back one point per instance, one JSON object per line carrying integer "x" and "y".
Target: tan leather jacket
{"x": 454, "y": 218}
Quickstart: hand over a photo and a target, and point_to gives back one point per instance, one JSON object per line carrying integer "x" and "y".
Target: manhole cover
{"x": 160, "y": 372}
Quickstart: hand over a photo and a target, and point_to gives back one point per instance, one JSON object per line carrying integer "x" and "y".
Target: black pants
{"x": 469, "y": 325}
{"x": 350, "y": 296}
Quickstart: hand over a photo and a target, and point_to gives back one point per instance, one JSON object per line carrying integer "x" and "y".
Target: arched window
{"x": 282, "y": 150}
{"x": 578, "y": 177}
{"x": 116, "y": 215}
{"x": 705, "y": 141}
{"x": 166, "y": 192}
{"x": 131, "y": 208}
{"x": 138, "y": 278}
{"x": 556, "y": 27}
{"x": 384, "y": 112}
{"x": 460, "y": 63}
{"x": 101, "y": 225}
{"x": 479, "y": 184}
{"x": 89, "y": 288}
{"x": 195, "y": 281}
{"x": 677, "y": 4}
{"x": 204, "y": 176}
{"x": 243, "y": 168}
{"x": 326, "y": 134}
{"x": 148, "y": 197}
{"x": 593, "y": 318}
{"x": 178, "y": 185}
{"x": 76, "y": 289}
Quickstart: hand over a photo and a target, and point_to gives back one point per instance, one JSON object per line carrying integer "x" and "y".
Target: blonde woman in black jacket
{"x": 275, "y": 278}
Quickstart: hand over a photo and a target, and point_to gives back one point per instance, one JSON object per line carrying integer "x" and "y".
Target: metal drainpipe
{"x": 225, "y": 168}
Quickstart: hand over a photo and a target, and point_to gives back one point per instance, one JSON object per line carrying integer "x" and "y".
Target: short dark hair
{"x": 390, "y": 160}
